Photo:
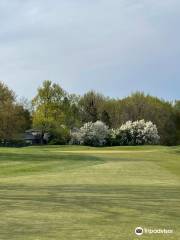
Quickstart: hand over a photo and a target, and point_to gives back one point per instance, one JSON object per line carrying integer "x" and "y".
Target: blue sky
{"x": 115, "y": 47}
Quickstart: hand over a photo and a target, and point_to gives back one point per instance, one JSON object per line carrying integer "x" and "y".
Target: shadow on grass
{"x": 46, "y": 157}
{"x": 14, "y": 164}
{"x": 26, "y": 164}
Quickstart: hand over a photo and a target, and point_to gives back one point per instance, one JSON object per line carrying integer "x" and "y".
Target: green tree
{"x": 90, "y": 106}
{"x": 177, "y": 114}
{"x": 14, "y": 118}
{"x": 140, "y": 106}
{"x": 50, "y": 108}
{"x": 111, "y": 112}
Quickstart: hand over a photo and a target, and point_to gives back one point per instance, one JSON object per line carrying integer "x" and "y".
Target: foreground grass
{"x": 87, "y": 193}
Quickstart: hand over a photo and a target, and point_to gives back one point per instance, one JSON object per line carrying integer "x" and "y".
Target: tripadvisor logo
{"x": 139, "y": 231}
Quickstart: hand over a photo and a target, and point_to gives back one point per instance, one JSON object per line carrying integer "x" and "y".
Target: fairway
{"x": 84, "y": 193}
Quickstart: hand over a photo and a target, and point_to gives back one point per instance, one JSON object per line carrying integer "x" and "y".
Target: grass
{"x": 74, "y": 193}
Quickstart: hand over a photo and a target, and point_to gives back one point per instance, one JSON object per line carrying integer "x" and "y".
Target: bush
{"x": 130, "y": 133}
{"x": 13, "y": 143}
{"x": 59, "y": 135}
{"x": 135, "y": 133}
{"x": 75, "y": 137}
{"x": 91, "y": 134}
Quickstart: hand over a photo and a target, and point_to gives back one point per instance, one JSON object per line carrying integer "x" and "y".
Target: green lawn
{"x": 74, "y": 193}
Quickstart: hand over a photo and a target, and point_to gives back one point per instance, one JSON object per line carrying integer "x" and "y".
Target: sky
{"x": 115, "y": 47}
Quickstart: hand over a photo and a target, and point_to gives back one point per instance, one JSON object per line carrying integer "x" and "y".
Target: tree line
{"x": 57, "y": 112}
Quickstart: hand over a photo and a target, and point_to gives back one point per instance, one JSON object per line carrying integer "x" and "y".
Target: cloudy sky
{"x": 113, "y": 46}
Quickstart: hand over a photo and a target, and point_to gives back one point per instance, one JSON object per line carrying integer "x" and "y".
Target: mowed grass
{"x": 74, "y": 193}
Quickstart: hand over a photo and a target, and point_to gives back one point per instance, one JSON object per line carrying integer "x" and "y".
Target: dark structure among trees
{"x": 35, "y": 137}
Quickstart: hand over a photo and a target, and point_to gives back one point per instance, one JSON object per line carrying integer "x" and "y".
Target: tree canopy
{"x": 57, "y": 112}
{"x": 14, "y": 118}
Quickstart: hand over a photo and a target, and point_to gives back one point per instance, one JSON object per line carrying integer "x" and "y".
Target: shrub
{"x": 135, "y": 133}
{"x": 91, "y": 134}
{"x": 75, "y": 137}
{"x": 59, "y": 135}
{"x": 130, "y": 133}
{"x": 13, "y": 143}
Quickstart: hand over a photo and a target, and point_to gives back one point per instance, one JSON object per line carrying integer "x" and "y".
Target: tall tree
{"x": 14, "y": 119}
{"x": 177, "y": 113}
{"x": 140, "y": 106}
{"x": 90, "y": 106}
{"x": 48, "y": 106}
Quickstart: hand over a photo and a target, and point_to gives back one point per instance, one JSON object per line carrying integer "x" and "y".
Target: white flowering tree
{"x": 75, "y": 137}
{"x": 91, "y": 134}
{"x": 135, "y": 133}
{"x": 130, "y": 133}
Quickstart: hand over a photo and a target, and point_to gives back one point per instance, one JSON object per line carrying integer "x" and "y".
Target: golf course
{"x": 86, "y": 193}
